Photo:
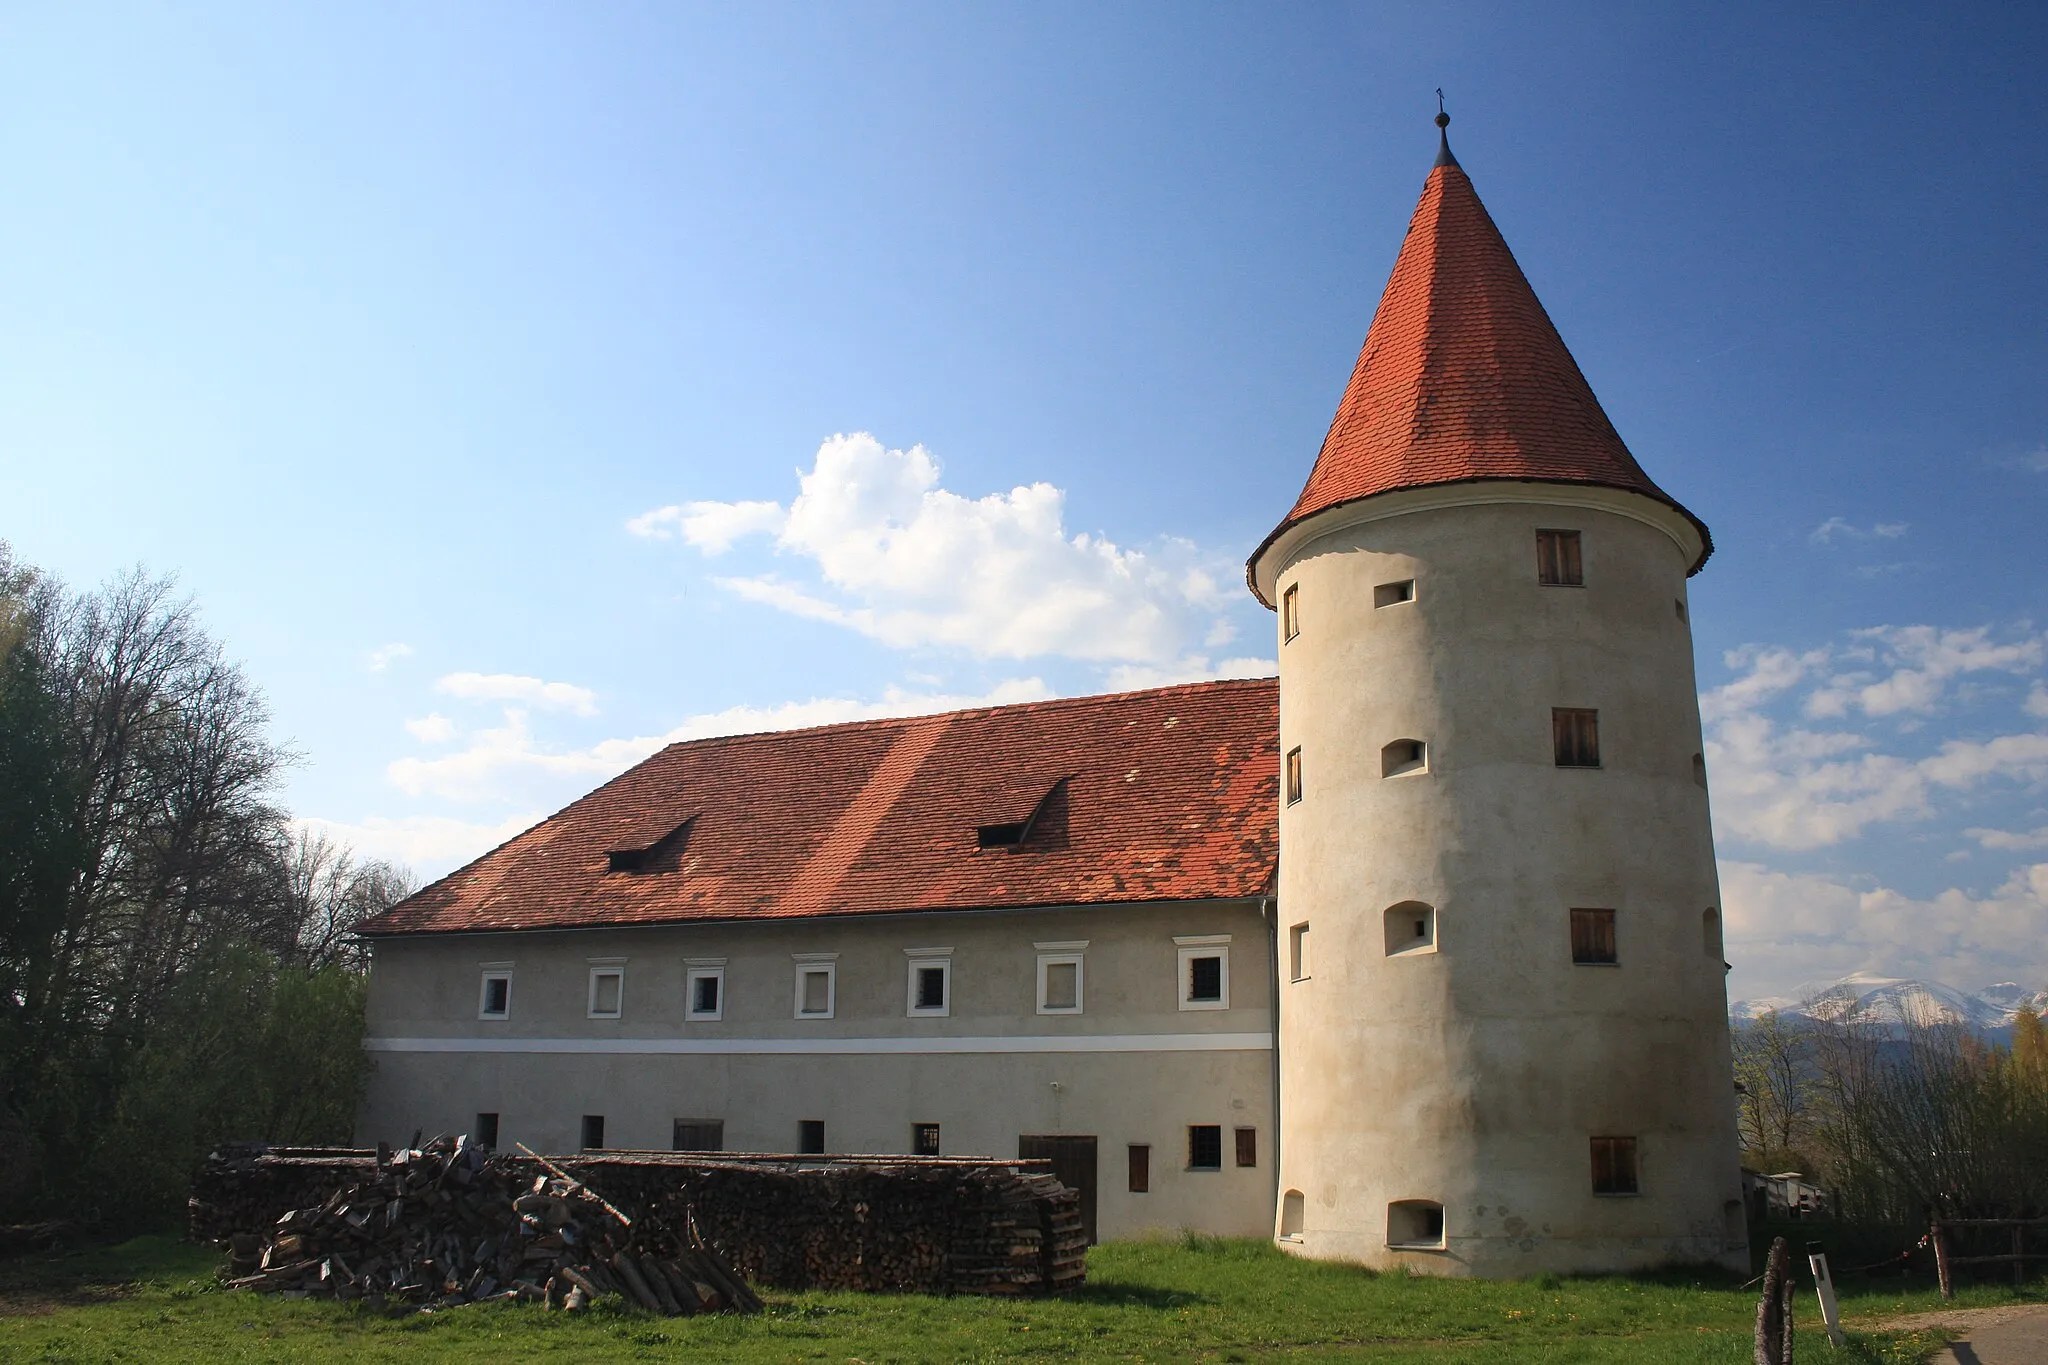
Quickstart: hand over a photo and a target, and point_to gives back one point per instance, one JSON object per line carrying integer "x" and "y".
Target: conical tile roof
{"x": 1463, "y": 377}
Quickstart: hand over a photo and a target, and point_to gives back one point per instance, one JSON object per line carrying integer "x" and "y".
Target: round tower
{"x": 1503, "y": 1027}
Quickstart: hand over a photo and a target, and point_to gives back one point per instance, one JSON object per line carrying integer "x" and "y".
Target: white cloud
{"x": 2034, "y": 461}
{"x": 384, "y": 656}
{"x": 506, "y": 762}
{"x": 432, "y": 729}
{"x": 430, "y": 845}
{"x": 1837, "y": 527}
{"x": 1194, "y": 668}
{"x": 905, "y": 561}
{"x": 2006, "y": 841}
{"x": 2037, "y": 701}
{"x": 1786, "y": 928}
{"x": 710, "y": 526}
{"x": 512, "y": 687}
{"x": 1802, "y": 786}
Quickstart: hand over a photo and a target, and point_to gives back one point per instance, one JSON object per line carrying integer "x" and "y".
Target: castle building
{"x": 1410, "y": 957}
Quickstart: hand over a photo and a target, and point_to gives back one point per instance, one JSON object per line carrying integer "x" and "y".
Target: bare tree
{"x": 1774, "y": 1065}
{"x": 330, "y": 893}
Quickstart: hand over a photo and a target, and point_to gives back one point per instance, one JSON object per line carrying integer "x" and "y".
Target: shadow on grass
{"x": 1135, "y": 1296}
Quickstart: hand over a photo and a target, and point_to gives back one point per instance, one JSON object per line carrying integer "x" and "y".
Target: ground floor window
{"x": 924, "y": 1139}
{"x": 1205, "y": 1146}
{"x": 810, "y": 1137}
{"x": 593, "y": 1132}
{"x": 1141, "y": 1168}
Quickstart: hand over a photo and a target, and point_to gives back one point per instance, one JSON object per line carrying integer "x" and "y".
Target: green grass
{"x": 1194, "y": 1300}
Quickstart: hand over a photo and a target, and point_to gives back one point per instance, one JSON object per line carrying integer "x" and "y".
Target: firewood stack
{"x": 930, "y": 1225}
{"x": 448, "y": 1224}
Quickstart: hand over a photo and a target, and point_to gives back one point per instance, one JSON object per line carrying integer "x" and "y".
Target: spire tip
{"x": 1443, "y": 124}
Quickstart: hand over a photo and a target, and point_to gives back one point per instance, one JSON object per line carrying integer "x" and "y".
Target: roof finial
{"x": 1443, "y": 124}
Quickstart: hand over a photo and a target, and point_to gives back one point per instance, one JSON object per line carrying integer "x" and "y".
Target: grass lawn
{"x": 154, "y": 1299}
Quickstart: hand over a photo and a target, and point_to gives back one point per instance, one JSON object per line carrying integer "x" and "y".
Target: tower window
{"x": 1679, "y": 603}
{"x": 1699, "y": 769}
{"x": 1292, "y": 1210}
{"x": 924, "y": 1139}
{"x": 1404, "y": 756}
{"x": 1593, "y": 938}
{"x": 1393, "y": 594}
{"x": 1710, "y": 932}
{"x": 1141, "y": 1168}
{"x": 699, "y": 1135}
{"x": 1205, "y": 1146}
{"x": 1411, "y": 928}
{"x": 1293, "y": 775}
{"x": 810, "y": 1137}
{"x": 1558, "y": 564}
{"x": 1204, "y": 971}
{"x": 1297, "y": 953}
{"x": 1415, "y": 1224}
{"x": 486, "y": 1131}
{"x": 593, "y": 1132}
{"x": 1575, "y": 735}
{"x": 1247, "y": 1146}
{"x": 1290, "y": 612}
{"x": 1614, "y": 1166}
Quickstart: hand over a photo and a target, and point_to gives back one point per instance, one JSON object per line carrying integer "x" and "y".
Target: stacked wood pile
{"x": 450, "y": 1224}
{"x": 892, "y": 1224}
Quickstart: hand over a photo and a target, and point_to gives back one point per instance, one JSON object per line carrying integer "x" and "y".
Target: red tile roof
{"x": 1168, "y": 794}
{"x": 1463, "y": 377}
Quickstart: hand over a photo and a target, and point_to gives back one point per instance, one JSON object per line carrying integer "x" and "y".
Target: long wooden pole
{"x": 574, "y": 1183}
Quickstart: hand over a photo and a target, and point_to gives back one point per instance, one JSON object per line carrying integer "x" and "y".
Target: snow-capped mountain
{"x": 1897, "y": 1001}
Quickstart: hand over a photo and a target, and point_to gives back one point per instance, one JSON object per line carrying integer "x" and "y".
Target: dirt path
{"x": 2012, "y": 1334}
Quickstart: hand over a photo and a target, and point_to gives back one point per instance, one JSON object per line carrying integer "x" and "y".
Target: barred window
{"x": 1205, "y": 1147}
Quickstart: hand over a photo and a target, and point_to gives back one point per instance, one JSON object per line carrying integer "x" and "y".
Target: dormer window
{"x": 626, "y": 860}
{"x": 651, "y": 847}
{"x": 1001, "y": 836}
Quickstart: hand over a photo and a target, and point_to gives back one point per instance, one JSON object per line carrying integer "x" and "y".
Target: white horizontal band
{"x": 799, "y": 1047}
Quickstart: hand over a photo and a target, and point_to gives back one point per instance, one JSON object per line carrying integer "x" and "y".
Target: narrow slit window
{"x": 1575, "y": 736}
{"x": 924, "y": 1139}
{"x": 1293, "y": 775}
{"x": 1205, "y": 1146}
{"x": 593, "y": 1132}
{"x": 1614, "y": 1166}
{"x": 1293, "y": 1211}
{"x": 1410, "y": 928}
{"x": 1593, "y": 938}
{"x": 1679, "y": 603}
{"x": 700, "y": 1135}
{"x": 1290, "y": 612}
{"x": 1394, "y": 594}
{"x": 1699, "y": 771}
{"x": 1404, "y": 756}
{"x": 486, "y": 1131}
{"x": 1141, "y": 1168}
{"x": 1558, "y": 564}
{"x": 1247, "y": 1146}
{"x": 810, "y": 1137}
{"x": 1710, "y": 933}
{"x": 1297, "y": 953}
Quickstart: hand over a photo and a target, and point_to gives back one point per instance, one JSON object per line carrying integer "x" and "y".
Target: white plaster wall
{"x": 1476, "y": 1075}
{"x": 427, "y": 989}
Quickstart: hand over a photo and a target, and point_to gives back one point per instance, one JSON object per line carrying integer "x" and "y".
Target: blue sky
{"x": 392, "y": 331}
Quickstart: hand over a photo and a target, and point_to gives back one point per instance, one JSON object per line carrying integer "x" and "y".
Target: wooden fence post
{"x": 1774, "y": 1308}
{"x": 1944, "y": 1274}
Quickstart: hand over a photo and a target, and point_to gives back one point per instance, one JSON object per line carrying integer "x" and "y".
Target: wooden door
{"x": 1073, "y": 1161}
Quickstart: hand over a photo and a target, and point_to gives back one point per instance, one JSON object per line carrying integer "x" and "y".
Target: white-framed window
{"x": 704, "y": 989}
{"x": 931, "y": 983}
{"x": 817, "y": 984}
{"x": 607, "y": 987}
{"x": 1204, "y": 971}
{"x": 1060, "y": 976}
{"x": 494, "y": 998}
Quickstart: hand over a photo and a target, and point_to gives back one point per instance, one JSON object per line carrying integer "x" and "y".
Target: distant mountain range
{"x": 1895, "y": 1001}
